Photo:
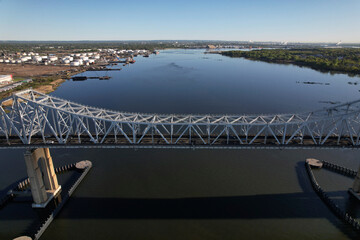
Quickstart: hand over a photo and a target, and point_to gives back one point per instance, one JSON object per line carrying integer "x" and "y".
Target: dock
{"x": 104, "y": 69}
{"x": 83, "y": 78}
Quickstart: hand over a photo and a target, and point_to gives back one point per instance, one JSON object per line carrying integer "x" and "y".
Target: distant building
{"x": 210, "y": 46}
{"x": 5, "y": 79}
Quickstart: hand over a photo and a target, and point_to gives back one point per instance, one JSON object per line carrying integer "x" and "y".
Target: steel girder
{"x": 54, "y": 120}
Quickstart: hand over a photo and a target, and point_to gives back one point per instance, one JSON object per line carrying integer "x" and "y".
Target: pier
{"x": 47, "y": 203}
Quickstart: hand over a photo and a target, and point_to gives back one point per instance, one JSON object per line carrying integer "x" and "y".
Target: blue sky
{"x": 257, "y": 20}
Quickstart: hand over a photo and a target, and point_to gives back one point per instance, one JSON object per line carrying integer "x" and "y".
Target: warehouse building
{"x": 5, "y": 79}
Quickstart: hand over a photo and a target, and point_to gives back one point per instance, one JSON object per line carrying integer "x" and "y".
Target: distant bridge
{"x": 36, "y": 120}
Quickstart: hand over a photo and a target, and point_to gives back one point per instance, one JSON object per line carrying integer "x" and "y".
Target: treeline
{"x": 58, "y": 46}
{"x": 8, "y": 47}
{"x": 344, "y": 60}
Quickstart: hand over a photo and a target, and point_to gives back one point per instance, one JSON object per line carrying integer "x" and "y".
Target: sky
{"x": 241, "y": 20}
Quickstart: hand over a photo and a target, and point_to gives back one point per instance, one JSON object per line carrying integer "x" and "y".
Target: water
{"x": 188, "y": 81}
{"x": 201, "y": 194}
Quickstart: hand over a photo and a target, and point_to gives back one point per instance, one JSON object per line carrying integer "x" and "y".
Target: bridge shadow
{"x": 272, "y": 206}
{"x": 292, "y": 205}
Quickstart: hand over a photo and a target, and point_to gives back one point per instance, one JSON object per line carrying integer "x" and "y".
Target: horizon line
{"x": 134, "y": 40}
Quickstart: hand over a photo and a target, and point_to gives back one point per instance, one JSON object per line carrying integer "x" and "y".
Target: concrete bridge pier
{"x": 41, "y": 172}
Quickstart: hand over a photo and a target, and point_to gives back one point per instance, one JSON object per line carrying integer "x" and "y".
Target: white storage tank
{"x": 24, "y": 59}
{"x": 74, "y": 64}
{"x": 37, "y": 58}
{"x": 77, "y": 54}
{"x": 97, "y": 56}
{"x": 80, "y": 61}
{"x": 66, "y": 61}
{"x": 13, "y": 61}
{"x": 1, "y": 60}
{"x": 53, "y": 58}
{"x": 18, "y": 61}
{"x": 7, "y": 60}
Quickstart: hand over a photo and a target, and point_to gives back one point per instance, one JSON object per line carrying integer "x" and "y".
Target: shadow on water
{"x": 3, "y": 192}
{"x": 20, "y": 206}
{"x": 270, "y": 206}
{"x": 262, "y": 206}
{"x": 305, "y": 185}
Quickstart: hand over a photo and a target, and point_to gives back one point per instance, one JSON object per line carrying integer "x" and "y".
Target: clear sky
{"x": 257, "y": 20}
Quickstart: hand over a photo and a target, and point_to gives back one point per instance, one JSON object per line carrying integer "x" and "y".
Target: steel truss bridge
{"x": 36, "y": 120}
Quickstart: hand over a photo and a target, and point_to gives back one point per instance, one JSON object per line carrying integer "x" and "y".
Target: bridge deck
{"x": 185, "y": 142}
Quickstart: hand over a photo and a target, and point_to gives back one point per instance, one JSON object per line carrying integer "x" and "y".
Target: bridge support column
{"x": 43, "y": 180}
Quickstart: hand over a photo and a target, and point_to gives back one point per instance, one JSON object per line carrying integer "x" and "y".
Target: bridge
{"x": 36, "y": 120}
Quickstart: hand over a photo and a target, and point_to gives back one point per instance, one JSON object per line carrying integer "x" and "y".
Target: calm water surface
{"x": 201, "y": 194}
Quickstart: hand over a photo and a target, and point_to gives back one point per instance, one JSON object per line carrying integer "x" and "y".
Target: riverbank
{"x": 43, "y": 84}
{"x": 44, "y": 87}
{"x": 325, "y": 60}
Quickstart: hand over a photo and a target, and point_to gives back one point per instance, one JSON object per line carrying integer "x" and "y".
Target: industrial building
{"x": 5, "y": 79}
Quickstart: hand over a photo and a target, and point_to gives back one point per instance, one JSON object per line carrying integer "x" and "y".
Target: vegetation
{"x": 37, "y": 82}
{"x": 17, "y": 79}
{"x": 7, "y": 47}
{"x": 85, "y": 46}
{"x": 343, "y": 60}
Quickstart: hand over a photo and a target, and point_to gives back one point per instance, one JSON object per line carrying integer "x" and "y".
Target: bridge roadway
{"x": 150, "y": 141}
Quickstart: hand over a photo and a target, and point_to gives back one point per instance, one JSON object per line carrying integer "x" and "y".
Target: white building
{"x": 5, "y": 79}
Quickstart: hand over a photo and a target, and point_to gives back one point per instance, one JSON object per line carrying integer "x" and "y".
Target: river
{"x": 199, "y": 194}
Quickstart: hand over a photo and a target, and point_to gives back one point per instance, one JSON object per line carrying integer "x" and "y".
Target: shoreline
{"x": 294, "y": 59}
{"x": 43, "y": 84}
